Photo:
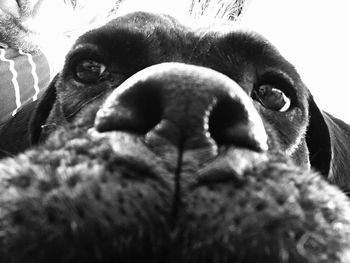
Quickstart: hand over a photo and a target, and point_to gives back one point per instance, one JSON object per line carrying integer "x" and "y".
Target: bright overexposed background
{"x": 315, "y": 36}
{"x": 57, "y": 20}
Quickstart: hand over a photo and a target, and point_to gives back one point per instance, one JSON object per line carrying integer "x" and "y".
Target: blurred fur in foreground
{"x": 77, "y": 199}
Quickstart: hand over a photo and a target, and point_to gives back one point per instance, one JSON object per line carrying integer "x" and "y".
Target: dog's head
{"x": 233, "y": 84}
{"x": 174, "y": 145}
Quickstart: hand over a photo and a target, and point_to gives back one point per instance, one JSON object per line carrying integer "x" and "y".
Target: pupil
{"x": 92, "y": 66}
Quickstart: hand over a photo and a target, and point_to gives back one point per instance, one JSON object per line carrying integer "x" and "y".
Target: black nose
{"x": 188, "y": 106}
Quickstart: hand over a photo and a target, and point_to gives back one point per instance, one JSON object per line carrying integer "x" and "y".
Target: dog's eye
{"x": 90, "y": 71}
{"x": 272, "y": 98}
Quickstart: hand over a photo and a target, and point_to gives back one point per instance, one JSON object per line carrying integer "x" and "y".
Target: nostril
{"x": 136, "y": 110}
{"x": 229, "y": 125}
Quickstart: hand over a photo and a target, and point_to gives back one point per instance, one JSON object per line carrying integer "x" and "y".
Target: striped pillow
{"x": 23, "y": 76}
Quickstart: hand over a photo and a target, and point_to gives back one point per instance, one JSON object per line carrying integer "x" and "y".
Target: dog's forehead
{"x": 155, "y": 35}
{"x": 140, "y": 23}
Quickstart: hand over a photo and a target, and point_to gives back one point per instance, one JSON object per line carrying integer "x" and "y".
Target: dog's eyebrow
{"x": 277, "y": 72}
{"x": 85, "y": 47}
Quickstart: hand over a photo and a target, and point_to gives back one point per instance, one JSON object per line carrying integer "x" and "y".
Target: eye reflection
{"x": 89, "y": 71}
{"x": 272, "y": 98}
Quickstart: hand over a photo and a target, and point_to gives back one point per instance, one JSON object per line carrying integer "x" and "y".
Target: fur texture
{"x": 77, "y": 199}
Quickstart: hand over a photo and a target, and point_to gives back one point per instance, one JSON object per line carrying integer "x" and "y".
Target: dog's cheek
{"x": 54, "y": 120}
{"x": 300, "y": 155}
{"x": 74, "y": 97}
{"x": 285, "y": 130}
{"x": 85, "y": 118}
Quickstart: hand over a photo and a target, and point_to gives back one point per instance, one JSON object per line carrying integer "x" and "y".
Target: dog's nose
{"x": 188, "y": 106}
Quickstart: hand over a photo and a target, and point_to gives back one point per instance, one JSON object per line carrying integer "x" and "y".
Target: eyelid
{"x": 81, "y": 52}
{"x": 85, "y": 48}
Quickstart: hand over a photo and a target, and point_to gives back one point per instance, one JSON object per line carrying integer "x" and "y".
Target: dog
{"x": 202, "y": 145}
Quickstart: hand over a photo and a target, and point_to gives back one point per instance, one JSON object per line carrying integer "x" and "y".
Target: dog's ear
{"x": 41, "y": 112}
{"x": 23, "y": 130}
{"x": 328, "y": 140}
